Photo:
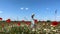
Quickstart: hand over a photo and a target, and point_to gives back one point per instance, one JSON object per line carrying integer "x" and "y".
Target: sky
{"x": 23, "y": 9}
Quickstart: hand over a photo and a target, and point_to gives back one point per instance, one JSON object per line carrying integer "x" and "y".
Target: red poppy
{"x": 8, "y": 20}
{"x": 0, "y": 18}
{"x": 28, "y": 23}
{"x": 54, "y": 23}
{"x": 59, "y": 22}
{"x": 23, "y": 21}
{"x": 43, "y": 21}
{"x": 35, "y": 21}
{"x": 18, "y": 24}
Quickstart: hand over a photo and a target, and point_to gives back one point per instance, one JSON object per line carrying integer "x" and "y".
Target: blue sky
{"x": 23, "y": 9}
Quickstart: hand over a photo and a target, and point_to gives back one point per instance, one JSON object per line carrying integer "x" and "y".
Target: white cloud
{"x": 21, "y": 8}
{"x": 26, "y": 8}
{"x": 1, "y": 12}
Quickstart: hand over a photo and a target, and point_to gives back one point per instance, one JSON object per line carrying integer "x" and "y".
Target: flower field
{"x": 16, "y": 27}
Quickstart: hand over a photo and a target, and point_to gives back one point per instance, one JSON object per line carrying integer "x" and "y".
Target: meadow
{"x": 24, "y": 27}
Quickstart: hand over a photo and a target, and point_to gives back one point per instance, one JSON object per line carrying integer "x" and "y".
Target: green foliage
{"x": 48, "y": 21}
